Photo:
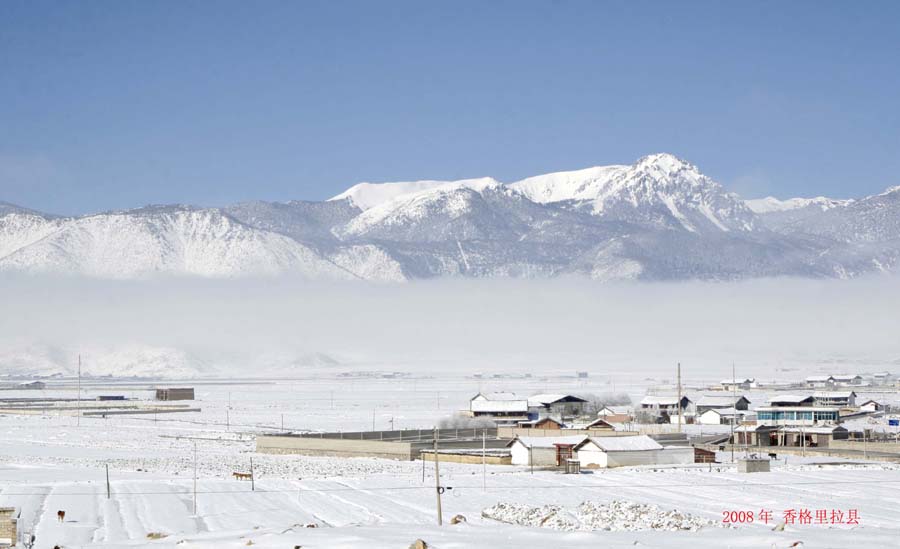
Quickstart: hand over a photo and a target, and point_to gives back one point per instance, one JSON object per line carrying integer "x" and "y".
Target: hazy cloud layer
{"x": 500, "y": 325}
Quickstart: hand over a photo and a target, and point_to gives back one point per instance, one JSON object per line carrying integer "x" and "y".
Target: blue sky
{"x": 108, "y": 105}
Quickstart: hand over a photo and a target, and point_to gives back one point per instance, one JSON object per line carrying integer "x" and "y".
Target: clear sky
{"x": 108, "y": 105}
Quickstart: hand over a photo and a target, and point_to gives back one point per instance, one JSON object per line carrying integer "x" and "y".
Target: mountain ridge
{"x": 659, "y": 218}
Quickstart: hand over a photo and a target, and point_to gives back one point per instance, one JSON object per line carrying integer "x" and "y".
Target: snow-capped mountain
{"x": 657, "y": 219}
{"x": 659, "y": 189}
{"x": 174, "y": 240}
{"x": 778, "y": 214}
{"x": 770, "y": 204}
{"x": 368, "y": 195}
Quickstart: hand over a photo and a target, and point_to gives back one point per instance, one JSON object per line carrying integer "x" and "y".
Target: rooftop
{"x": 548, "y": 442}
{"x": 624, "y": 444}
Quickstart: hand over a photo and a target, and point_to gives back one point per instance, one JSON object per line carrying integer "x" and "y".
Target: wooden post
{"x": 678, "y": 404}
{"x": 107, "y": 481}
{"x": 252, "y": 477}
{"x": 483, "y": 460}
{"x": 437, "y": 478}
{"x": 195, "y": 478}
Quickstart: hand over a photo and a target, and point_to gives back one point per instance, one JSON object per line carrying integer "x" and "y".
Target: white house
{"x": 541, "y": 451}
{"x": 739, "y": 383}
{"x": 602, "y": 452}
{"x": 846, "y": 380}
{"x": 841, "y": 399}
{"x": 721, "y": 416}
{"x": 819, "y": 381}
{"x": 500, "y": 406}
{"x": 871, "y": 406}
{"x": 882, "y": 378}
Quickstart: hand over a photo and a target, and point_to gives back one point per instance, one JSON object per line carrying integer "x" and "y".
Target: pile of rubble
{"x": 614, "y": 516}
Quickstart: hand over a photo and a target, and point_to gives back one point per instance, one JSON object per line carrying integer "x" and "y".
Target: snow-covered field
{"x": 51, "y": 462}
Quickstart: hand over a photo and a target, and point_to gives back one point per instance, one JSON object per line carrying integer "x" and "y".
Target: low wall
{"x": 363, "y": 447}
{"x": 513, "y": 432}
{"x": 307, "y": 446}
{"x": 467, "y": 458}
{"x": 887, "y": 447}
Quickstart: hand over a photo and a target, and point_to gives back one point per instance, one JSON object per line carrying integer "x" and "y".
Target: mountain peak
{"x": 368, "y": 195}
{"x": 890, "y": 190}
{"x": 665, "y": 161}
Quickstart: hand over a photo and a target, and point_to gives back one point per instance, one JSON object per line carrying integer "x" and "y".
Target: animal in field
{"x": 60, "y": 516}
{"x": 242, "y": 476}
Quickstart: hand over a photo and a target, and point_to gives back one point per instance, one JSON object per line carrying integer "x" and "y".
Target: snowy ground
{"x": 53, "y": 462}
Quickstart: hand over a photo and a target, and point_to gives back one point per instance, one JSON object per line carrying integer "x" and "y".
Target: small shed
{"x": 175, "y": 393}
{"x": 602, "y": 452}
{"x": 702, "y": 455}
{"x": 543, "y": 423}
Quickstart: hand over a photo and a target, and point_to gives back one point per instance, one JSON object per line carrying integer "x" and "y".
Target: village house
{"x": 616, "y": 414}
{"x": 721, "y": 416}
{"x": 603, "y": 452}
{"x": 540, "y": 423}
{"x": 882, "y": 378}
{"x": 503, "y": 407}
{"x": 559, "y": 406}
{"x": 712, "y": 402}
{"x": 175, "y": 393}
{"x": 668, "y": 404}
{"x": 734, "y": 384}
{"x": 847, "y": 380}
{"x": 819, "y": 381}
{"x": 600, "y": 423}
{"x": 792, "y": 400}
{"x": 542, "y": 451}
{"x": 840, "y": 399}
{"x": 871, "y": 406}
{"x": 792, "y": 416}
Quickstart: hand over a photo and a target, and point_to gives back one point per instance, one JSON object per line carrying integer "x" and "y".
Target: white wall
{"x": 710, "y": 418}
{"x": 590, "y": 455}
{"x": 541, "y": 456}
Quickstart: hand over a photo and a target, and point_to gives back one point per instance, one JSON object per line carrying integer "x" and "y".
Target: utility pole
{"x": 78, "y": 401}
{"x": 437, "y": 478}
{"x": 195, "y": 478}
{"x": 107, "y": 481}
{"x": 678, "y": 405}
{"x": 734, "y": 403}
{"x": 282, "y": 423}
{"x": 252, "y": 477}
{"x": 483, "y": 460}
{"x": 227, "y": 420}
{"x": 373, "y": 419}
